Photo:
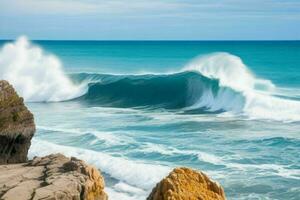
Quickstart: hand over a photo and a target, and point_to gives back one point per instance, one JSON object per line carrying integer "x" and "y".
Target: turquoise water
{"x": 138, "y": 109}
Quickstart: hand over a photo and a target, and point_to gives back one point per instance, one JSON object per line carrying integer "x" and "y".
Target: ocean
{"x": 137, "y": 109}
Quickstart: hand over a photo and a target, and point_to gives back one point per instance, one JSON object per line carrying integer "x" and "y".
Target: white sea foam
{"x": 253, "y": 97}
{"x": 272, "y": 169}
{"x": 138, "y": 176}
{"x": 107, "y": 137}
{"x": 230, "y": 71}
{"x": 35, "y": 75}
{"x": 38, "y": 76}
{"x": 117, "y": 195}
{"x": 126, "y": 188}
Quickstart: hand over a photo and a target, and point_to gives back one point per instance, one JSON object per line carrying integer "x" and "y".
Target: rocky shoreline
{"x": 56, "y": 177}
{"x": 51, "y": 177}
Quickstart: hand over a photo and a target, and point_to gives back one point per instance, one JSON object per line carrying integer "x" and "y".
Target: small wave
{"x": 107, "y": 138}
{"x": 227, "y": 161}
{"x": 119, "y": 168}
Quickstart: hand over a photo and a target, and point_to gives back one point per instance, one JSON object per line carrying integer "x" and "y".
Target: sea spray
{"x": 35, "y": 75}
{"x": 213, "y": 83}
{"x": 252, "y": 159}
{"x": 259, "y": 101}
{"x": 229, "y": 70}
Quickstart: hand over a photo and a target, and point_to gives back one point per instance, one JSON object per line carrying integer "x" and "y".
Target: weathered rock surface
{"x": 16, "y": 126}
{"x": 53, "y": 177}
{"x": 187, "y": 184}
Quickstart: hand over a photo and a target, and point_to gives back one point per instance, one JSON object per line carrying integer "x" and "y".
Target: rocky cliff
{"x": 16, "y": 126}
{"x": 187, "y": 184}
{"x": 52, "y": 177}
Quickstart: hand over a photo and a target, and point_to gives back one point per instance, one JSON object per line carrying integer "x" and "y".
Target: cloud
{"x": 80, "y": 7}
{"x": 156, "y": 18}
{"x": 146, "y": 7}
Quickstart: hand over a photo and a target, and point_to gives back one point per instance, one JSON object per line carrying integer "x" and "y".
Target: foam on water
{"x": 107, "y": 137}
{"x": 35, "y": 75}
{"x": 228, "y": 162}
{"x": 38, "y": 76}
{"x": 135, "y": 147}
{"x": 230, "y": 71}
{"x": 126, "y": 171}
{"x": 259, "y": 102}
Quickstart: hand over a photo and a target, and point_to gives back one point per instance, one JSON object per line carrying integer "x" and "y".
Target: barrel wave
{"x": 187, "y": 91}
{"x": 219, "y": 83}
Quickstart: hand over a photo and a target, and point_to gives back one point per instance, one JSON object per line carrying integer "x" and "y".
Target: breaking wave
{"x": 36, "y": 75}
{"x": 215, "y": 83}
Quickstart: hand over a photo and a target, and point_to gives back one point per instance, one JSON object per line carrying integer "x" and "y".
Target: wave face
{"x": 261, "y": 96}
{"x": 215, "y": 83}
{"x": 35, "y": 75}
{"x": 186, "y": 90}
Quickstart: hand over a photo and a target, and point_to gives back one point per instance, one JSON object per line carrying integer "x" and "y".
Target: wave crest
{"x": 35, "y": 75}
{"x": 214, "y": 83}
{"x": 230, "y": 71}
{"x": 261, "y": 96}
{"x": 189, "y": 91}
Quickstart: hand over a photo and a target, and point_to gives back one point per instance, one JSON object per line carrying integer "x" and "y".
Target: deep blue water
{"x": 137, "y": 109}
{"x": 265, "y": 58}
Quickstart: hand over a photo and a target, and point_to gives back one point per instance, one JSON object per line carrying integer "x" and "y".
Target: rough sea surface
{"x": 137, "y": 109}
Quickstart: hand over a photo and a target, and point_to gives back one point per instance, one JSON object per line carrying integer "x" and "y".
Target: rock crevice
{"x": 51, "y": 177}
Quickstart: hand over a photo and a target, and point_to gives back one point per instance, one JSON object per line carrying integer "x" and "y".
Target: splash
{"x": 214, "y": 83}
{"x": 36, "y": 76}
{"x": 259, "y": 99}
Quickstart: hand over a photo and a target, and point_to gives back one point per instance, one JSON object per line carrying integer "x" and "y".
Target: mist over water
{"x": 36, "y": 75}
{"x": 237, "y": 122}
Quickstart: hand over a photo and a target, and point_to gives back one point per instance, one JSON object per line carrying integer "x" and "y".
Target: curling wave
{"x": 215, "y": 83}
{"x": 186, "y": 90}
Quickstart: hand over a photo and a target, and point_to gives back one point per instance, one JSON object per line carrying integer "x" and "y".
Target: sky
{"x": 150, "y": 19}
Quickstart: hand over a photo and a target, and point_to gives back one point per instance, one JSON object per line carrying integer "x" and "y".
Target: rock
{"x": 16, "y": 126}
{"x": 53, "y": 177}
{"x": 187, "y": 184}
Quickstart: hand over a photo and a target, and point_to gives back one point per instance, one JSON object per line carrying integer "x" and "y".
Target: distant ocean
{"x": 137, "y": 109}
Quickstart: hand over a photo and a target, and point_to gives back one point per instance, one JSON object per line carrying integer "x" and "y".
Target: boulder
{"x": 53, "y": 177}
{"x": 16, "y": 126}
{"x": 187, "y": 184}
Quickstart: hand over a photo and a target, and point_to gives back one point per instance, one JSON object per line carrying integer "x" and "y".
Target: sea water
{"x": 137, "y": 109}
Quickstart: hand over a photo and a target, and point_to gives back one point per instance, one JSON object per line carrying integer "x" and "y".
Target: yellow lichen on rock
{"x": 94, "y": 184}
{"x": 187, "y": 184}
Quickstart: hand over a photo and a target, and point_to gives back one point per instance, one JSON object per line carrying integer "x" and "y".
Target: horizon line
{"x": 162, "y": 40}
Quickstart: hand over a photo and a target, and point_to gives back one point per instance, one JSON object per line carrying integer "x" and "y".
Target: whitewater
{"x": 131, "y": 107}
{"x": 225, "y": 83}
